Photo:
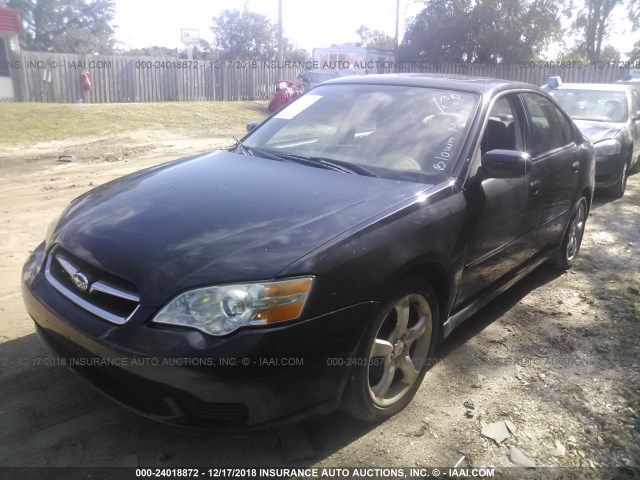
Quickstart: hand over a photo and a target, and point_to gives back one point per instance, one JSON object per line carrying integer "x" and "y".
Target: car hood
{"x": 598, "y": 131}
{"x": 218, "y": 218}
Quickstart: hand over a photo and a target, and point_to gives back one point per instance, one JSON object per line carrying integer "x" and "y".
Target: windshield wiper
{"x": 244, "y": 150}
{"x": 252, "y": 151}
{"x": 247, "y": 151}
{"x": 336, "y": 165}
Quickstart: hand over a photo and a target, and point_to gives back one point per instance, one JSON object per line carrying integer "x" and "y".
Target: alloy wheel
{"x": 576, "y": 230}
{"x": 400, "y": 348}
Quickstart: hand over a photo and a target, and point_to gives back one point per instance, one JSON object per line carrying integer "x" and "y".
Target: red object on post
{"x": 9, "y": 21}
{"x": 285, "y": 92}
{"x": 86, "y": 80}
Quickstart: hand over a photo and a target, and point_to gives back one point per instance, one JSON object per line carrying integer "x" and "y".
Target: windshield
{"x": 387, "y": 129}
{"x": 596, "y": 105}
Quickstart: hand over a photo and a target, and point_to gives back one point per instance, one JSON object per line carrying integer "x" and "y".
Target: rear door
{"x": 549, "y": 139}
{"x": 635, "y": 124}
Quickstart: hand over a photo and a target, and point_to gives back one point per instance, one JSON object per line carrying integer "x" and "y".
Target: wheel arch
{"x": 436, "y": 273}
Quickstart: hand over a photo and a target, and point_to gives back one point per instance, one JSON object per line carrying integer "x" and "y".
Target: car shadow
{"x": 601, "y": 199}
{"x": 498, "y": 307}
{"x": 54, "y": 418}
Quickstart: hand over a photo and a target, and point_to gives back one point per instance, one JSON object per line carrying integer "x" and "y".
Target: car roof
{"x": 480, "y": 85}
{"x": 633, "y": 82}
{"x": 611, "y": 87}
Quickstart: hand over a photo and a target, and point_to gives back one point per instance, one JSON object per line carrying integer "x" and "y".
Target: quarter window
{"x": 549, "y": 129}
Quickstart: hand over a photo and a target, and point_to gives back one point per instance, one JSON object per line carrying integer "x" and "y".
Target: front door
{"x": 499, "y": 228}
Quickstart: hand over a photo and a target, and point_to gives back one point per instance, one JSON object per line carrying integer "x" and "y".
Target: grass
{"x": 39, "y": 122}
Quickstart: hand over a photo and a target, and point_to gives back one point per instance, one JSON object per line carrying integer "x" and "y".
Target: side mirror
{"x": 635, "y": 117}
{"x": 505, "y": 163}
{"x": 252, "y": 124}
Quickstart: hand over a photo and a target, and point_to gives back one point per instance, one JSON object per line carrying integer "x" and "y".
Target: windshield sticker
{"x": 449, "y": 101}
{"x": 445, "y": 154}
{"x": 298, "y": 106}
{"x": 440, "y": 166}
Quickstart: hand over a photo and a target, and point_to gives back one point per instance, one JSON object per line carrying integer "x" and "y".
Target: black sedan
{"x": 318, "y": 262}
{"x": 609, "y": 115}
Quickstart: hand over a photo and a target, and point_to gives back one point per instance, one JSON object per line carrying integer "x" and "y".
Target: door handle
{"x": 575, "y": 166}
{"x": 534, "y": 187}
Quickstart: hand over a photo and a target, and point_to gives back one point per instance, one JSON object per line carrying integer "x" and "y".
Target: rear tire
{"x": 634, "y": 167}
{"x": 395, "y": 352}
{"x": 572, "y": 239}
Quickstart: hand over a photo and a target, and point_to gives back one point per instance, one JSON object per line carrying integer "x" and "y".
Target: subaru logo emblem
{"x": 80, "y": 281}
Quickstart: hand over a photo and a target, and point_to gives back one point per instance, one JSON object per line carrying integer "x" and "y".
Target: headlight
{"x": 608, "y": 147}
{"x": 221, "y": 310}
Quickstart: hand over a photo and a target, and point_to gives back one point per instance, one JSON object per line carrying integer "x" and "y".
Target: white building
{"x": 352, "y": 56}
{"x": 9, "y": 30}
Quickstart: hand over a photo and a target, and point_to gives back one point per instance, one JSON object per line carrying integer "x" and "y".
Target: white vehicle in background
{"x": 609, "y": 116}
{"x": 632, "y": 78}
{"x": 356, "y": 58}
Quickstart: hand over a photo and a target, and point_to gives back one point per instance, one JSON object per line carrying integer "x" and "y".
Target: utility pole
{"x": 280, "y": 42}
{"x": 395, "y": 39}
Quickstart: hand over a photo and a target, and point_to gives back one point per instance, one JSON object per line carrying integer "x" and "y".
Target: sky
{"x": 307, "y": 24}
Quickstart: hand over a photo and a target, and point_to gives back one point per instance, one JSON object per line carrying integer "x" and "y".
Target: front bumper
{"x": 608, "y": 169}
{"x": 253, "y": 377}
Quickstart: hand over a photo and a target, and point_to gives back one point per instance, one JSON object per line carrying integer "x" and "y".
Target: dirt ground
{"x": 557, "y": 355}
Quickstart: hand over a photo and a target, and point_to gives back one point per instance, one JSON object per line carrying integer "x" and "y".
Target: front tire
{"x": 394, "y": 354}
{"x": 572, "y": 239}
{"x": 617, "y": 191}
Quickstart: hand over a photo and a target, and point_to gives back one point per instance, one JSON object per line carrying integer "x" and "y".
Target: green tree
{"x": 66, "y": 26}
{"x": 610, "y": 53}
{"x": 374, "y": 38}
{"x": 293, "y": 53}
{"x": 244, "y": 36}
{"x": 592, "y": 23}
{"x": 576, "y": 54}
{"x": 201, "y": 51}
{"x": 571, "y": 54}
{"x": 634, "y": 16}
{"x": 249, "y": 36}
{"x": 483, "y": 31}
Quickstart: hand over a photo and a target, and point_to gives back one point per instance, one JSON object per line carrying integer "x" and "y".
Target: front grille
{"x": 100, "y": 293}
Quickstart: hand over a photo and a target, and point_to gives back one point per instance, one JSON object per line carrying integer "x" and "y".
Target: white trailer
{"x": 358, "y": 59}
